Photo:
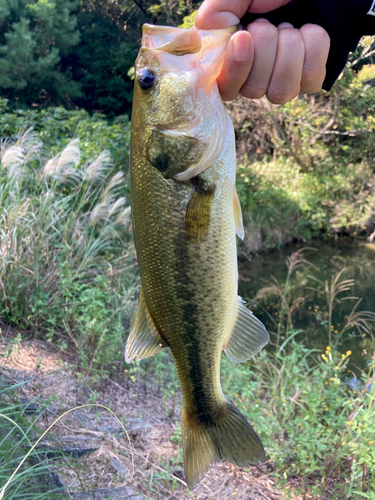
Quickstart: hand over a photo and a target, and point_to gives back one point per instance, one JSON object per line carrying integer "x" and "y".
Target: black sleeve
{"x": 346, "y": 21}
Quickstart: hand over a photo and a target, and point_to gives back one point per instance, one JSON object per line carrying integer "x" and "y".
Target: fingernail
{"x": 241, "y": 45}
{"x": 284, "y": 25}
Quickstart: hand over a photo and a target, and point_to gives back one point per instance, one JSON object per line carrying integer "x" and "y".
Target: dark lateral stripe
{"x": 190, "y": 318}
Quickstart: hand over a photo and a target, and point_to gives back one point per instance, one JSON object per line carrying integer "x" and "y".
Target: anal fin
{"x": 144, "y": 339}
{"x": 248, "y": 337}
{"x": 238, "y": 215}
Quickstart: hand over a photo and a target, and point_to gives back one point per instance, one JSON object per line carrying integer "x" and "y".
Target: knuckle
{"x": 263, "y": 31}
{"x": 315, "y": 33}
{"x": 312, "y": 77}
{"x": 290, "y": 36}
{"x": 228, "y": 91}
{"x": 228, "y": 96}
{"x": 282, "y": 96}
{"x": 312, "y": 82}
{"x": 252, "y": 92}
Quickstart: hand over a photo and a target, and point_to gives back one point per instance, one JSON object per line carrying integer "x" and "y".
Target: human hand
{"x": 279, "y": 62}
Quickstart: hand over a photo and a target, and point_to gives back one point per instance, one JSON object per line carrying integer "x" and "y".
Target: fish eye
{"x": 146, "y": 79}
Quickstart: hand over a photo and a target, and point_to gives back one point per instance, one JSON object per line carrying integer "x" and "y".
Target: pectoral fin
{"x": 238, "y": 215}
{"x": 249, "y": 336}
{"x": 144, "y": 339}
{"x": 172, "y": 153}
{"x": 198, "y": 213}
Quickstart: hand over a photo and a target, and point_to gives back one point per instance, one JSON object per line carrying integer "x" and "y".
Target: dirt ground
{"x": 157, "y": 472}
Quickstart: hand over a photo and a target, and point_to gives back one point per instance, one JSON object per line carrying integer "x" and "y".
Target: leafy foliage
{"x": 34, "y": 36}
{"x": 314, "y": 425}
{"x": 70, "y": 53}
{"x": 100, "y": 65}
{"x": 56, "y": 127}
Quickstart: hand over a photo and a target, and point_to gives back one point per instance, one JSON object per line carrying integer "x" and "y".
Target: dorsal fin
{"x": 249, "y": 336}
{"x": 144, "y": 339}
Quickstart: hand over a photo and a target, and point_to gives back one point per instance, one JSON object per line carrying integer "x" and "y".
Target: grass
{"x": 56, "y": 127}
{"x": 17, "y": 436}
{"x": 66, "y": 256}
{"x": 68, "y": 274}
{"x": 315, "y": 418}
{"x": 317, "y": 431}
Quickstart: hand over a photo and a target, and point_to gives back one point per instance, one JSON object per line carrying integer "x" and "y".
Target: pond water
{"x": 357, "y": 257}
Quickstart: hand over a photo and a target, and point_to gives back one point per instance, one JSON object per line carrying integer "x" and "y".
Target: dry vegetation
{"x": 144, "y": 413}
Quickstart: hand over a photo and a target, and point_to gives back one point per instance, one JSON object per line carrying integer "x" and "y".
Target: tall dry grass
{"x": 65, "y": 245}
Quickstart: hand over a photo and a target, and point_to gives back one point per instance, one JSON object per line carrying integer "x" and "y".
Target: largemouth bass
{"x": 185, "y": 214}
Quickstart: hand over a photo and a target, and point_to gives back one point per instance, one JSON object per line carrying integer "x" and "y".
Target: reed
{"x": 66, "y": 256}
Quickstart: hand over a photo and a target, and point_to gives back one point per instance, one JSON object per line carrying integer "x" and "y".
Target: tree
{"x": 34, "y": 34}
{"x": 110, "y": 39}
{"x": 62, "y": 52}
{"x": 100, "y": 65}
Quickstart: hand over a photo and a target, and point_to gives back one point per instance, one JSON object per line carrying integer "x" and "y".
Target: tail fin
{"x": 228, "y": 437}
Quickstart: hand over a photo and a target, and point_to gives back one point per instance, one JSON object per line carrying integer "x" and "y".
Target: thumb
{"x": 263, "y": 6}
{"x": 215, "y": 14}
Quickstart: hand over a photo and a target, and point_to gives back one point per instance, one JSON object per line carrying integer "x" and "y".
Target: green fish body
{"x": 185, "y": 214}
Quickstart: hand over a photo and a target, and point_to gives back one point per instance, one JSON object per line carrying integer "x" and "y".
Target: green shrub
{"x": 312, "y": 424}
{"x": 56, "y": 127}
{"x": 34, "y": 35}
{"x": 281, "y": 204}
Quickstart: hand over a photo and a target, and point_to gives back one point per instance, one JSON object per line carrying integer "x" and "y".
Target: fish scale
{"x": 185, "y": 214}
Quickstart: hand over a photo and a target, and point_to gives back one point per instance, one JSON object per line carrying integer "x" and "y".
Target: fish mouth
{"x": 179, "y": 41}
{"x": 175, "y": 41}
{"x": 204, "y": 50}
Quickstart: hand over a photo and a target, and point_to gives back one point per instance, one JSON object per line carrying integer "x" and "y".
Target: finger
{"x": 265, "y": 37}
{"x": 238, "y": 61}
{"x": 215, "y": 14}
{"x": 317, "y": 43}
{"x": 287, "y": 74}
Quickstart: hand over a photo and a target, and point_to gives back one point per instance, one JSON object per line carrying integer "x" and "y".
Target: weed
{"x": 314, "y": 417}
{"x": 66, "y": 258}
{"x": 17, "y": 434}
